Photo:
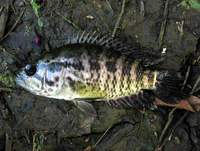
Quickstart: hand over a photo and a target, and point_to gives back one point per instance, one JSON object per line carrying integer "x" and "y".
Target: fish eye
{"x": 30, "y": 69}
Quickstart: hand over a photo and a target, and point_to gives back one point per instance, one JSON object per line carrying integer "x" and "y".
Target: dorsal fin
{"x": 106, "y": 41}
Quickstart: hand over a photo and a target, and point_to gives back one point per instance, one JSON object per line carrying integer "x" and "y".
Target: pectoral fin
{"x": 86, "y": 107}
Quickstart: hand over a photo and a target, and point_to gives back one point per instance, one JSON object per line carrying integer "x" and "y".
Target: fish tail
{"x": 169, "y": 87}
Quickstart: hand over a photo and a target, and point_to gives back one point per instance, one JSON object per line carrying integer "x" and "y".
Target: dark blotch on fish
{"x": 76, "y": 65}
{"x": 70, "y": 81}
{"x": 55, "y": 66}
{"x": 94, "y": 66}
{"x": 111, "y": 66}
{"x": 50, "y": 83}
{"x": 126, "y": 70}
{"x": 79, "y": 66}
{"x": 56, "y": 78}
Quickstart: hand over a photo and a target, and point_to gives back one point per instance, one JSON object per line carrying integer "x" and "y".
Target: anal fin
{"x": 142, "y": 100}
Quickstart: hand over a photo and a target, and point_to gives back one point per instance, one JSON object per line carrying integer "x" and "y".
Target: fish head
{"x": 42, "y": 78}
{"x": 32, "y": 77}
{"x": 59, "y": 78}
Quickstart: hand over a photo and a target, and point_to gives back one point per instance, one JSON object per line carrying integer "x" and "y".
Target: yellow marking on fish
{"x": 103, "y": 72}
{"x": 118, "y": 75}
{"x": 89, "y": 91}
{"x": 85, "y": 62}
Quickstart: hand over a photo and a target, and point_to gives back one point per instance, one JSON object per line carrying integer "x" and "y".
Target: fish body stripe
{"x": 115, "y": 77}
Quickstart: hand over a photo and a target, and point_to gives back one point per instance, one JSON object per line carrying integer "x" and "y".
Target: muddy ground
{"x": 29, "y": 122}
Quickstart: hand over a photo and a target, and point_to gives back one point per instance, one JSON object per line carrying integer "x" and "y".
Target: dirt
{"x": 29, "y": 122}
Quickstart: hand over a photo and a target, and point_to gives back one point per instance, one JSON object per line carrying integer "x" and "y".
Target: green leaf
{"x": 191, "y": 4}
{"x": 35, "y": 7}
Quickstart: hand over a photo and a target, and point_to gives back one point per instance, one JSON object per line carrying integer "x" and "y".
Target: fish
{"x": 91, "y": 66}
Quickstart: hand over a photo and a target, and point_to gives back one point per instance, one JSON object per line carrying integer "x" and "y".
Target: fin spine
{"x": 146, "y": 56}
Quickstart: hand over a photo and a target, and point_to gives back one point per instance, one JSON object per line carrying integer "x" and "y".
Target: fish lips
{"x": 20, "y": 80}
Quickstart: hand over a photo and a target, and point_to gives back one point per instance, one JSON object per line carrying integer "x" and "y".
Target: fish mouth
{"x": 20, "y": 80}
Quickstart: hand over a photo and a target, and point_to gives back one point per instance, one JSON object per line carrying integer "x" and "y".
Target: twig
{"x": 22, "y": 120}
{"x": 163, "y": 25}
{"x": 27, "y": 137}
{"x": 173, "y": 130}
{"x": 8, "y": 146}
{"x": 5, "y": 89}
{"x": 1, "y": 9}
{"x": 142, "y": 11}
{"x": 180, "y": 27}
{"x": 195, "y": 88}
{"x": 8, "y": 50}
{"x": 119, "y": 18}
{"x": 13, "y": 27}
{"x": 3, "y": 19}
{"x": 178, "y": 123}
{"x": 99, "y": 140}
{"x": 186, "y": 77}
{"x": 13, "y": 7}
{"x": 108, "y": 3}
{"x": 69, "y": 21}
{"x": 170, "y": 118}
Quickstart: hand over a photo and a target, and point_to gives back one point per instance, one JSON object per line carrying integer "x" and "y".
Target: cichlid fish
{"x": 97, "y": 67}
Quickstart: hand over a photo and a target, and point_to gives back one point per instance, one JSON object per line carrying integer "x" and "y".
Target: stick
{"x": 195, "y": 88}
{"x": 109, "y": 5}
{"x": 186, "y": 77}
{"x": 3, "y": 19}
{"x": 8, "y": 145}
{"x": 69, "y": 21}
{"x": 13, "y": 27}
{"x": 9, "y": 51}
{"x": 119, "y": 18}
{"x": 178, "y": 123}
{"x": 5, "y": 89}
{"x": 173, "y": 130}
{"x": 99, "y": 140}
{"x": 164, "y": 23}
{"x": 142, "y": 10}
{"x": 170, "y": 118}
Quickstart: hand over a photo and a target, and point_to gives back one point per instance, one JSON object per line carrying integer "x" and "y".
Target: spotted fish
{"x": 91, "y": 66}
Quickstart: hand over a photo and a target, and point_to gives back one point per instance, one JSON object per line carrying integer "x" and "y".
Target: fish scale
{"x": 123, "y": 82}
